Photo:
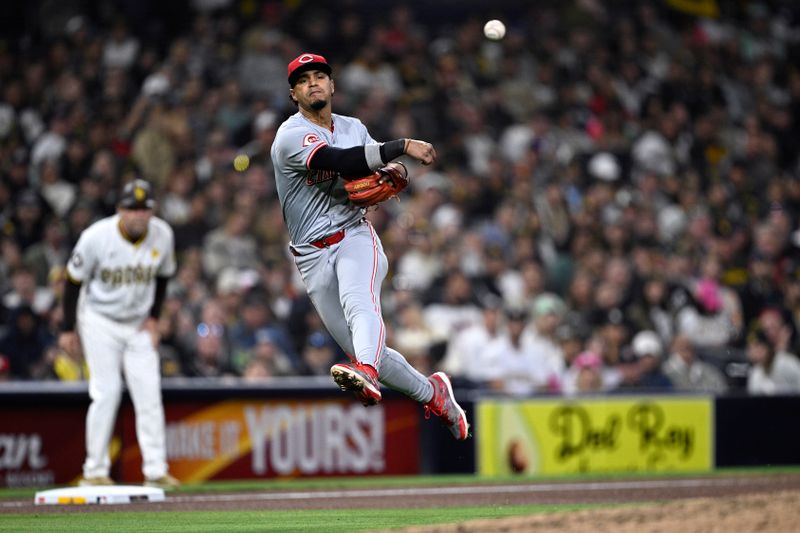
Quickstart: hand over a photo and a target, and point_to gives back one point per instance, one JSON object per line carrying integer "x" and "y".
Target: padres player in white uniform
{"x": 122, "y": 263}
{"x": 337, "y": 252}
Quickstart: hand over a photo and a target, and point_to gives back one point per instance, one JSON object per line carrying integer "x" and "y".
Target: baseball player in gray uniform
{"x": 337, "y": 251}
{"x": 122, "y": 263}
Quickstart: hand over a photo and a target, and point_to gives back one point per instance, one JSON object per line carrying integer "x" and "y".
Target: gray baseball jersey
{"x": 343, "y": 280}
{"x": 314, "y": 202}
{"x": 118, "y": 275}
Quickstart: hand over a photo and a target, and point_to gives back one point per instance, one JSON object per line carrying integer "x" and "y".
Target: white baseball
{"x": 494, "y": 30}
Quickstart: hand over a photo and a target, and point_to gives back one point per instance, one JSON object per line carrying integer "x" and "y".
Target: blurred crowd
{"x": 614, "y": 208}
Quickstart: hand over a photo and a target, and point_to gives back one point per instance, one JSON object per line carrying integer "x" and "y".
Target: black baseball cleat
{"x": 362, "y": 380}
{"x": 443, "y": 404}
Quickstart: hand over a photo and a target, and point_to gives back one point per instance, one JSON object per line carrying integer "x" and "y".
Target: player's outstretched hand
{"x": 69, "y": 342}
{"x": 422, "y": 151}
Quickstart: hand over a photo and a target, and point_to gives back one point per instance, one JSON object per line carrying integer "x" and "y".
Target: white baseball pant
{"x": 112, "y": 348}
{"x": 344, "y": 284}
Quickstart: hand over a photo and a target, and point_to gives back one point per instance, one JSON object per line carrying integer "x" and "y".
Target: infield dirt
{"x": 770, "y": 512}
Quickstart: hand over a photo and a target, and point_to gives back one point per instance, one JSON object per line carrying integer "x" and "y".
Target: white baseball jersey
{"x": 314, "y": 202}
{"x": 119, "y": 275}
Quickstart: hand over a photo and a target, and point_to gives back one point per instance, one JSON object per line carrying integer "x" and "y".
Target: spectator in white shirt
{"x": 688, "y": 373}
{"x": 466, "y": 348}
{"x": 541, "y": 341}
{"x": 509, "y": 366}
{"x": 714, "y": 321}
{"x": 772, "y": 372}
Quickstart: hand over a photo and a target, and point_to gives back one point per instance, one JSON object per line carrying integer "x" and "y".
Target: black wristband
{"x": 161, "y": 294}
{"x": 70, "y": 304}
{"x": 392, "y": 149}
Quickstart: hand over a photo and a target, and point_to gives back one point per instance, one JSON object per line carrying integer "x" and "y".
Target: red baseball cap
{"x": 305, "y": 62}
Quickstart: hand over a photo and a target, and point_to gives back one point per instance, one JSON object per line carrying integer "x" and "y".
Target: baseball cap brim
{"x": 130, "y": 203}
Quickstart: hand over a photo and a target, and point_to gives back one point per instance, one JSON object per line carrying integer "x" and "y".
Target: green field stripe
{"x": 413, "y": 481}
{"x": 449, "y": 480}
{"x": 319, "y": 521}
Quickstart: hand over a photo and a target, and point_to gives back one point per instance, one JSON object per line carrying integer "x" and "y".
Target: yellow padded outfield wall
{"x": 603, "y": 434}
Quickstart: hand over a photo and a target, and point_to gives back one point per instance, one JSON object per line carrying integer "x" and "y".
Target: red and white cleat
{"x": 443, "y": 404}
{"x": 362, "y": 380}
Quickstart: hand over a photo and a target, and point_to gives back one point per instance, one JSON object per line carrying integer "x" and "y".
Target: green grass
{"x": 408, "y": 481}
{"x": 318, "y": 521}
{"x": 454, "y": 479}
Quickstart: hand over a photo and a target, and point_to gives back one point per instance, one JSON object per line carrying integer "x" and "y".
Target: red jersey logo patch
{"x": 309, "y": 139}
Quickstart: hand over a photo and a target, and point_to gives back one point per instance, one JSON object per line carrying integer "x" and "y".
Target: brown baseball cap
{"x": 305, "y": 62}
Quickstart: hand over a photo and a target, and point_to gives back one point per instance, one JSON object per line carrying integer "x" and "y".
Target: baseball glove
{"x": 386, "y": 182}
